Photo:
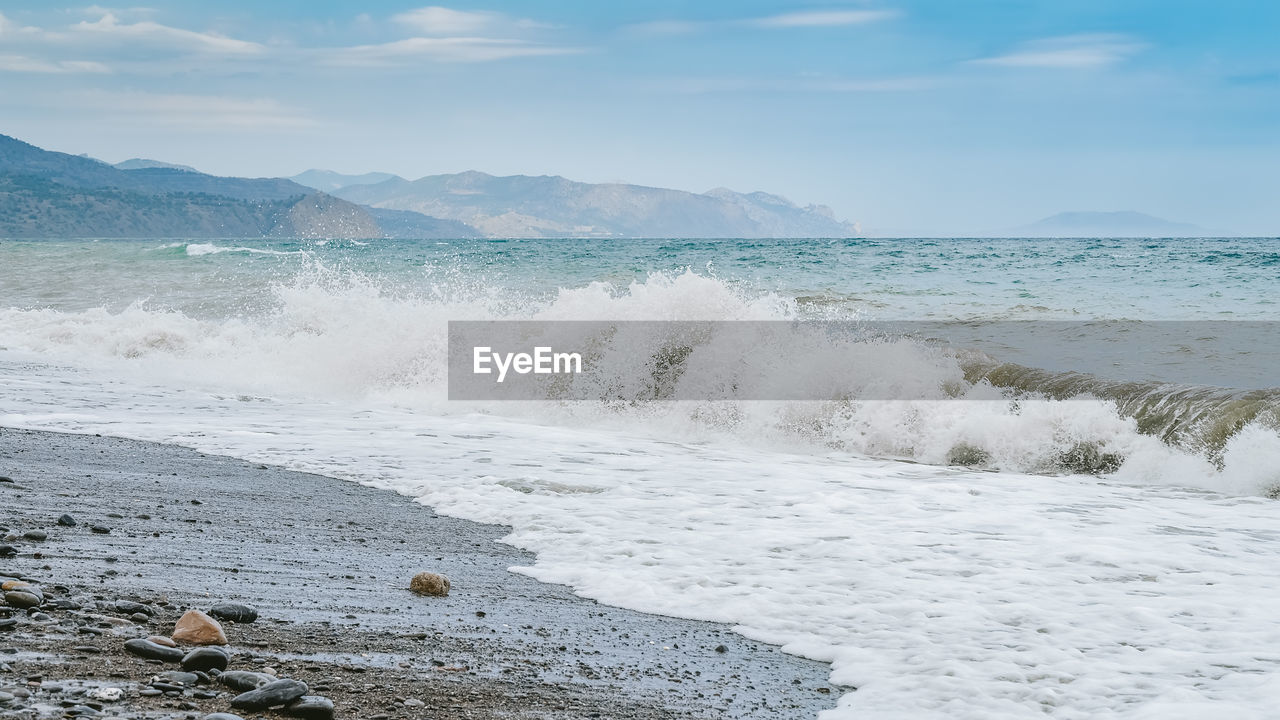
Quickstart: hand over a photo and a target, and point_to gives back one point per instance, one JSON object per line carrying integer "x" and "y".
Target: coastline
{"x": 327, "y": 564}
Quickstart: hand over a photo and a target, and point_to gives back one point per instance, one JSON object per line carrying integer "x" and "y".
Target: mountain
{"x": 144, "y": 164}
{"x": 406, "y": 224}
{"x": 1107, "y": 224}
{"x": 551, "y": 206}
{"x": 328, "y": 180}
{"x": 53, "y": 194}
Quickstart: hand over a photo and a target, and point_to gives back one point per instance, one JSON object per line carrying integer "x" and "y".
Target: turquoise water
{"x": 1177, "y": 279}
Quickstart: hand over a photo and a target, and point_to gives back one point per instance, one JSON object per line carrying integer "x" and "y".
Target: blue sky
{"x": 907, "y": 116}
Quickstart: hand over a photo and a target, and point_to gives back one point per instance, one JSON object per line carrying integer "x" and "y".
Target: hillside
{"x": 328, "y": 180}
{"x": 552, "y": 206}
{"x": 53, "y": 194}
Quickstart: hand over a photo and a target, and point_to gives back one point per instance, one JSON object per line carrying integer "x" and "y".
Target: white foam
{"x": 198, "y": 249}
{"x": 937, "y": 593}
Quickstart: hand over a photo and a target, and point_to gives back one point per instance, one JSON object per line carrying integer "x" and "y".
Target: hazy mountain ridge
{"x": 552, "y": 206}
{"x": 1123, "y": 223}
{"x": 144, "y": 164}
{"x": 53, "y": 194}
{"x": 328, "y": 180}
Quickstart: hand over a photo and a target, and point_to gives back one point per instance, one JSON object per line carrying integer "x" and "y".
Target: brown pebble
{"x": 428, "y": 583}
{"x": 197, "y": 628}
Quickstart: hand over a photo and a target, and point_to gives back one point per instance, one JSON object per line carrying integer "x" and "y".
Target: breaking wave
{"x": 347, "y": 338}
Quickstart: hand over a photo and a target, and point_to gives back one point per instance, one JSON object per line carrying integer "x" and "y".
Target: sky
{"x": 906, "y": 116}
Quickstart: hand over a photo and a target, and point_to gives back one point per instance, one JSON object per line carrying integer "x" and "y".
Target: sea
{"x": 1074, "y": 534}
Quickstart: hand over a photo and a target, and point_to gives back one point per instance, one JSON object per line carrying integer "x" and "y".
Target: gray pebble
{"x": 273, "y": 694}
{"x": 206, "y": 658}
{"x": 311, "y": 707}
{"x": 152, "y": 651}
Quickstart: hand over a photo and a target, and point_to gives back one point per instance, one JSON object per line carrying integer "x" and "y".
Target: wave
{"x": 349, "y": 338}
{"x": 199, "y": 249}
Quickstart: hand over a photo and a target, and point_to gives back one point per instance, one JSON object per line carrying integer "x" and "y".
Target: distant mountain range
{"x": 1107, "y": 224}
{"x": 52, "y": 194}
{"x": 328, "y": 180}
{"x": 551, "y": 206}
{"x": 144, "y": 164}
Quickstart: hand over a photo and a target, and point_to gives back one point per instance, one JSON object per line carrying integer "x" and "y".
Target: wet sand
{"x": 327, "y": 565}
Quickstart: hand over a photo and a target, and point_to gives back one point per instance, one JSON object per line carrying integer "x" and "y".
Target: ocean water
{"x": 1068, "y": 536}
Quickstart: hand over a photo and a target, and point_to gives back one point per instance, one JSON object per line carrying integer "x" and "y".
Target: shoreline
{"x": 327, "y": 564}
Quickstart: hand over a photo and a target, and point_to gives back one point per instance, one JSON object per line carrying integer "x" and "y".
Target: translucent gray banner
{"x": 643, "y": 361}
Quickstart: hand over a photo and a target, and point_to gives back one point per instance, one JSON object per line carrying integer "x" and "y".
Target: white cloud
{"x": 146, "y": 31}
{"x": 446, "y": 35}
{"x": 1069, "y": 52}
{"x": 444, "y": 21}
{"x": 443, "y": 49}
{"x": 19, "y": 63}
{"x": 214, "y": 112}
{"x": 822, "y": 18}
{"x": 12, "y": 30}
{"x": 438, "y": 21}
{"x": 130, "y": 46}
{"x": 801, "y": 19}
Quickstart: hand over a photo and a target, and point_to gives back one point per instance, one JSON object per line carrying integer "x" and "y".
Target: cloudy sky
{"x": 908, "y": 116}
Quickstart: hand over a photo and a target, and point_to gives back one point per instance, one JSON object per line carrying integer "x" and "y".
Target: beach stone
{"x": 6, "y": 698}
{"x": 8, "y": 551}
{"x": 222, "y": 716}
{"x": 140, "y": 617}
{"x": 7, "y": 623}
{"x": 234, "y": 612}
{"x": 178, "y": 677}
{"x": 428, "y": 583}
{"x": 311, "y": 707}
{"x": 273, "y": 694}
{"x": 244, "y": 680}
{"x": 101, "y": 529}
{"x": 162, "y": 640}
{"x": 196, "y": 628}
{"x": 206, "y": 658}
{"x": 105, "y": 694}
{"x": 36, "y": 535}
{"x": 22, "y": 599}
{"x": 128, "y": 607}
{"x": 15, "y": 585}
{"x": 5, "y": 479}
{"x": 66, "y": 520}
{"x": 152, "y": 651}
